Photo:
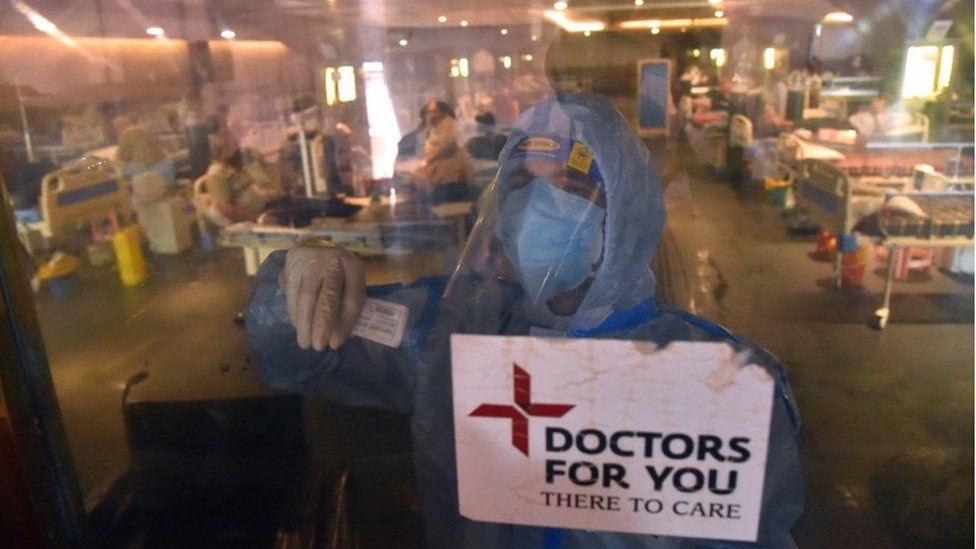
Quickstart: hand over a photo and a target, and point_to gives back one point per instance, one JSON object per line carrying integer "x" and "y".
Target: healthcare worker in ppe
{"x": 562, "y": 248}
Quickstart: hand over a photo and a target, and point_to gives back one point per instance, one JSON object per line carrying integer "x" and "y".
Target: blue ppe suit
{"x": 416, "y": 378}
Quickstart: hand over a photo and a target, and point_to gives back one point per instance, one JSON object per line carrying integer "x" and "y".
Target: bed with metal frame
{"x": 827, "y": 194}
{"x": 90, "y": 189}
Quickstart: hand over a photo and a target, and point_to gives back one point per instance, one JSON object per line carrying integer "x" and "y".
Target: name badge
{"x": 382, "y": 322}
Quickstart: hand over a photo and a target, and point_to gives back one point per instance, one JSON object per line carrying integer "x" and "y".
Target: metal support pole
{"x": 889, "y": 276}
{"x": 837, "y": 264}
{"x": 23, "y": 121}
{"x": 306, "y": 161}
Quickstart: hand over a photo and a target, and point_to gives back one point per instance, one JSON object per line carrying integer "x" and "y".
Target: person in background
{"x": 505, "y": 107}
{"x": 872, "y": 120}
{"x": 720, "y": 100}
{"x": 139, "y": 151}
{"x": 773, "y": 120}
{"x": 708, "y": 113}
{"x": 691, "y": 77}
{"x": 411, "y": 144}
{"x": 445, "y": 170}
{"x": 23, "y": 180}
{"x": 814, "y": 82}
{"x": 487, "y": 143}
{"x": 222, "y": 141}
{"x": 235, "y": 193}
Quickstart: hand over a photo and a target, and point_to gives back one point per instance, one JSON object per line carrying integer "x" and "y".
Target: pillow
{"x": 904, "y": 204}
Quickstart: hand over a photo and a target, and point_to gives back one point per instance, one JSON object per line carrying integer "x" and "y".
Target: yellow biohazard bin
{"x": 128, "y": 255}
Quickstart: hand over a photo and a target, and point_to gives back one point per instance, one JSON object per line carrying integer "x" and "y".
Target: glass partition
{"x": 814, "y": 162}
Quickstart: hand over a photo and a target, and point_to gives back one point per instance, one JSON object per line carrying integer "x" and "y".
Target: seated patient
{"x": 235, "y": 193}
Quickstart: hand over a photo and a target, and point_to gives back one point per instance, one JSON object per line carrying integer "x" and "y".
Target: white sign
{"x": 611, "y": 435}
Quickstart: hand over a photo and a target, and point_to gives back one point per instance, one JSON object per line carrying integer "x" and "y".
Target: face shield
{"x": 567, "y": 231}
{"x": 541, "y": 225}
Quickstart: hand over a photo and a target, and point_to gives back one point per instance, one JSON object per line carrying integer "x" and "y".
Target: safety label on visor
{"x": 382, "y": 322}
{"x": 580, "y": 158}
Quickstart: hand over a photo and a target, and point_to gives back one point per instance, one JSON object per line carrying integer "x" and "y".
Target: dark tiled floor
{"x": 888, "y": 416}
{"x": 887, "y": 441}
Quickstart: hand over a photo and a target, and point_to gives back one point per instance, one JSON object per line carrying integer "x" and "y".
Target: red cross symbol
{"x": 523, "y": 398}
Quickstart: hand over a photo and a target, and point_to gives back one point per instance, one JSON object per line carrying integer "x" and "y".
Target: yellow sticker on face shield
{"x": 580, "y": 158}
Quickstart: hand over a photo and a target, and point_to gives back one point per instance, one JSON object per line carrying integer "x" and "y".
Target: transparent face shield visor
{"x": 540, "y": 225}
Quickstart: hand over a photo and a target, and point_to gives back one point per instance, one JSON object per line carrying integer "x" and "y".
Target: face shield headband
{"x": 573, "y": 154}
{"x": 546, "y": 210}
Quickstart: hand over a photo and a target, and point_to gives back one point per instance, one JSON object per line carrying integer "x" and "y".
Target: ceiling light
{"x": 503, "y": 32}
{"x": 560, "y": 5}
{"x": 719, "y": 13}
{"x": 638, "y": 3}
{"x": 673, "y": 23}
{"x": 711, "y": 22}
{"x": 442, "y": 19}
{"x": 655, "y": 30}
{"x": 403, "y": 42}
{"x": 586, "y": 33}
{"x": 573, "y": 25}
{"x": 714, "y": 2}
{"x": 527, "y": 57}
{"x": 838, "y": 17}
{"x": 155, "y": 31}
{"x": 227, "y": 34}
{"x": 651, "y": 23}
{"x": 535, "y": 37}
{"x": 464, "y": 22}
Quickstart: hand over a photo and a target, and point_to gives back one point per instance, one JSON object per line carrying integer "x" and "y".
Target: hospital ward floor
{"x": 887, "y": 436}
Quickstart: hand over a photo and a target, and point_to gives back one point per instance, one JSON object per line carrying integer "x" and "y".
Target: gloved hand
{"x": 325, "y": 290}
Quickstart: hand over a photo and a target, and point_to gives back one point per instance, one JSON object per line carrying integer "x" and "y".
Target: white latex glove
{"x": 325, "y": 289}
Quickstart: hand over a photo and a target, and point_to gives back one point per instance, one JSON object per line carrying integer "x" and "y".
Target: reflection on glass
{"x": 204, "y": 136}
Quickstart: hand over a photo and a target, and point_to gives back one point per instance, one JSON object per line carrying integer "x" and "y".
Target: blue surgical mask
{"x": 553, "y": 238}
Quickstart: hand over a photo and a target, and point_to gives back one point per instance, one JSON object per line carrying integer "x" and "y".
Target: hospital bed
{"x": 377, "y": 230}
{"x": 883, "y": 164}
{"x": 791, "y": 151}
{"x": 841, "y": 202}
{"x": 90, "y": 189}
{"x": 894, "y": 163}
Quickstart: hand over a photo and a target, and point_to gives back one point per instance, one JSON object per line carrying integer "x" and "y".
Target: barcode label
{"x": 382, "y": 322}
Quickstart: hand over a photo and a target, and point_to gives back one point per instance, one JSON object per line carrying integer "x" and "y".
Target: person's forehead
{"x": 543, "y": 166}
{"x": 558, "y": 175}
